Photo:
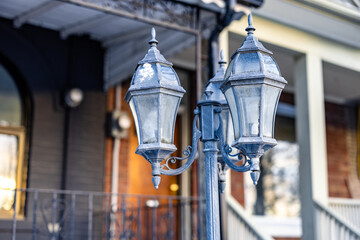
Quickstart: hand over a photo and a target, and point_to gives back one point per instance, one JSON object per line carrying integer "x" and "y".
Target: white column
{"x": 311, "y": 136}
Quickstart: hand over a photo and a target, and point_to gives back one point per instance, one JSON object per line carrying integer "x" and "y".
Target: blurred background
{"x": 68, "y": 168}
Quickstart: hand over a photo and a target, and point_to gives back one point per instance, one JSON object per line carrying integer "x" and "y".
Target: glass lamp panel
{"x": 168, "y": 109}
{"x": 229, "y": 95}
{"x": 248, "y": 98}
{"x": 145, "y": 73}
{"x": 228, "y": 129}
{"x": 225, "y": 115}
{"x": 270, "y": 65}
{"x": 247, "y": 63}
{"x": 147, "y": 109}
{"x": 271, "y": 96}
{"x": 168, "y": 75}
{"x": 136, "y": 120}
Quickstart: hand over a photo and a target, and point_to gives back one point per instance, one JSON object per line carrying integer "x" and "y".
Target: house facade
{"x": 68, "y": 164}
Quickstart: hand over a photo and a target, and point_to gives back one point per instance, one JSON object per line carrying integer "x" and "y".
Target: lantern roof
{"x": 153, "y": 55}
{"x": 251, "y": 42}
{"x": 252, "y": 63}
{"x": 154, "y": 74}
{"x": 212, "y": 90}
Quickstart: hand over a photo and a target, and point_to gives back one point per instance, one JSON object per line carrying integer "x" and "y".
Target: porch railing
{"x": 63, "y": 214}
{"x": 349, "y": 209}
{"x": 332, "y": 226}
{"x": 239, "y": 227}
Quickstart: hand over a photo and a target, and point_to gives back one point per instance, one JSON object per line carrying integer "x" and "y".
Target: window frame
{"x": 21, "y": 171}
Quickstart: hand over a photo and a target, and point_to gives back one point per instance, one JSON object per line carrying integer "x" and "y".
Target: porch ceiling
{"x": 121, "y": 26}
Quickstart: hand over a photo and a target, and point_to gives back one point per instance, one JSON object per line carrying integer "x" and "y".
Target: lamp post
{"x": 251, "y": 85}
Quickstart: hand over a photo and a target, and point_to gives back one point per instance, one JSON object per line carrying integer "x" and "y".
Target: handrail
{"x": 253, "y": 232}
{"x": 347, "y": 201}
{"x": 336, "y": 225}
{"x": 94, "y": 193}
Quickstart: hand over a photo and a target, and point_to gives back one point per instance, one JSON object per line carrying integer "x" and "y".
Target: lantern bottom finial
{"x": 255, "y": 170}
{"x": 156, "y": 181}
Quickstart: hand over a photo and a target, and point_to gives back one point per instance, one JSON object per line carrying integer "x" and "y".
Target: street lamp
{"x": 251, "y": 84}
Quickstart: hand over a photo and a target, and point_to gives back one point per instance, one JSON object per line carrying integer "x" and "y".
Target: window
{"x": 12, "y": 142}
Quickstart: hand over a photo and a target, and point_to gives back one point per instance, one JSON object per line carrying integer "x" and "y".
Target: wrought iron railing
{"x": 238, "y": 224}
{"x": 348, "y": 209}
{"x": 63, "y": 214}
{"x": 332, "y": 226}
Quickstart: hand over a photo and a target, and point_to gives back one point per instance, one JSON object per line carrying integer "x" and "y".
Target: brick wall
{"x": 237, "y": 187}
{"x": 337, "y": 150}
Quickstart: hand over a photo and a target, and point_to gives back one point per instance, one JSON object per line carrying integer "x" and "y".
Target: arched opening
{"x": 13, "y": 125}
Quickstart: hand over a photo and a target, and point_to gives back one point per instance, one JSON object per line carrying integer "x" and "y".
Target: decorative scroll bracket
{"x": 189, "y": 153}
{"x": 249, "y": 164}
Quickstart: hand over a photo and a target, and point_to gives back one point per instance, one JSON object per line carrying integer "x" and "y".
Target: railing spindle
{"x": 90, "y": 217}
{"x": 139, "y": 220}
{"x": 123, "y": 212}
{"x": 72, "y": 216}
{"x": 171, "y": 233}
{"x": 154, "y": 221}
{"x": 34, "y": 215}
{"x": 107, "y": 216}
{"x": 53, "y": 215}
{"x": 14, "y": 217}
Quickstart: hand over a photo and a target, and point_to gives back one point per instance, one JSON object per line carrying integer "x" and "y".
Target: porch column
{"x": 311, "y": 136}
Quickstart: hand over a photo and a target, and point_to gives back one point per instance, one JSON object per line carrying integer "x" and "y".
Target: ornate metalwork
{"x": 173, "y": 160}
{"x": 226, "y": 149}
{"x": 53, "y": 211}
{"x": 240, "y": 155}
{"x": 166, "y": 224}
{"x": 125, "y": 219}
{"x": 189, "y": 152}
{"x": 165, "y": 10}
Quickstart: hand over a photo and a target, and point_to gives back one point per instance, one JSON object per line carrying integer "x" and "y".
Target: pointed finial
{"x": 255, "y": 170}
{"x": 153, "y": 42}
{"x": 250, "y": 29}
{"x": 222, "y": 186}
{"x": 222, "y": 62}
{"x": 255, "y": 175}
{"x": 156, "y": 181}
{"x": 250, "y": 20}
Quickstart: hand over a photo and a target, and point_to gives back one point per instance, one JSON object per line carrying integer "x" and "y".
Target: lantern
{"x": 252, "y": 88}
{"x": 154, "y": 96}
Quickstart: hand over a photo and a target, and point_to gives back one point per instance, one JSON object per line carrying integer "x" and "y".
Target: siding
{"x": 47, "y": 66}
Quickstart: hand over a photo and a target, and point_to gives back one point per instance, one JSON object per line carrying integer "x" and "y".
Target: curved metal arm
{"x": 226, "y": 149}
{"x": 189, "y": 152}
